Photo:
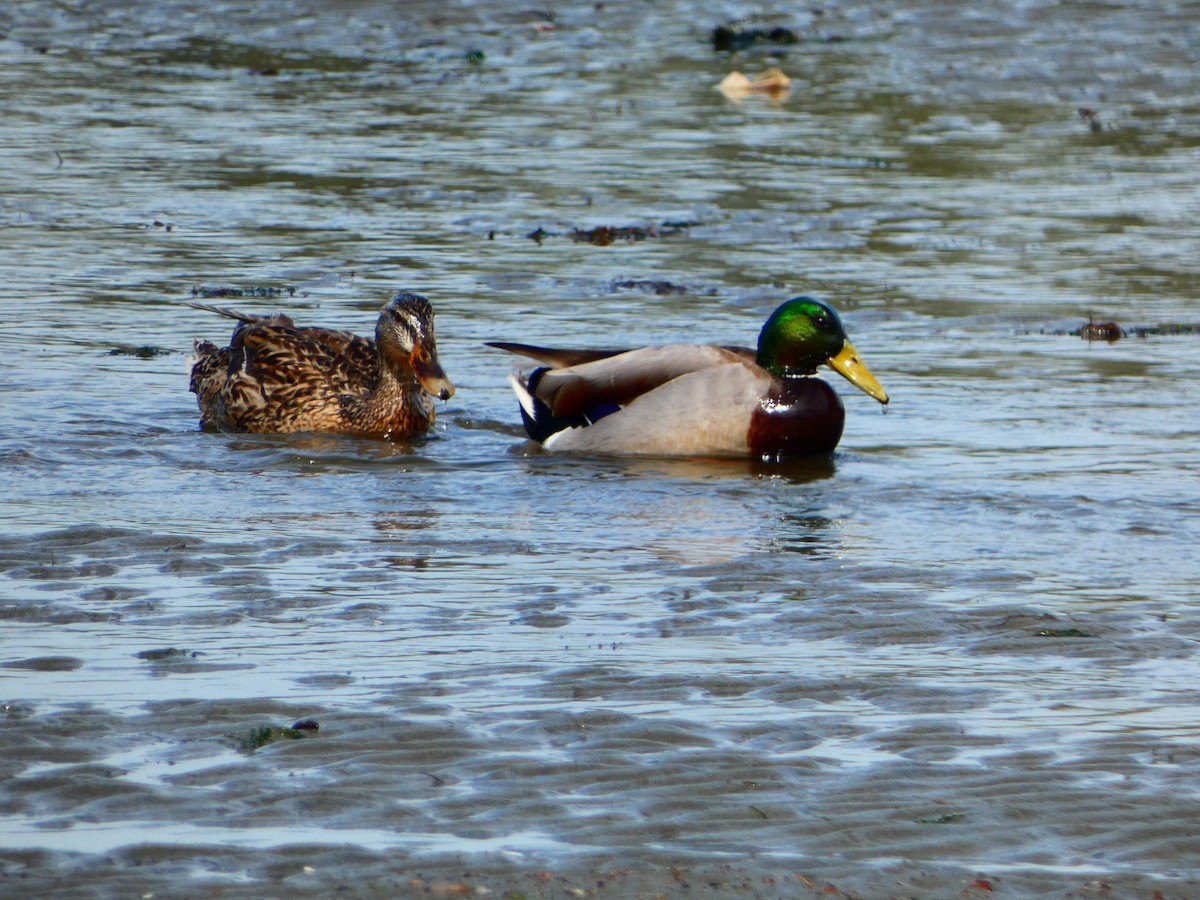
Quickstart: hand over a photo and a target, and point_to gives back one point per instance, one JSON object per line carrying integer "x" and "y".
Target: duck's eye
{"x": 404, "y": 321}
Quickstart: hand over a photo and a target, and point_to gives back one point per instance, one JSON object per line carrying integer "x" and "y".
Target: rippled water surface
{"x": 958, "y": 656}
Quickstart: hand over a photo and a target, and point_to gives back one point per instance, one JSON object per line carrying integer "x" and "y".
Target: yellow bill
{"x": 847, "y": 364}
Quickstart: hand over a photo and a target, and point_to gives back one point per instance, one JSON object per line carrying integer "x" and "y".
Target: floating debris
{"x": 943, "y": 820}
{"x": 45, "y": 664}
{"x": 144, "y": 352}
{"x": 1178, "y": 328}
{"x": 210, "y": 292}
{"x": 648, "y": 287}
{"x": 1100, "y": 331}
{"x": 1111, "y": 331}
{"x": 772, "y": 82}
{"x": 1090, "y": 116}
{"x": 257, "y": 738}
{"x": 1062, "y": 633}
{"x": 737, "y": 37}
{"x": 604, "y": 235}
{"x": 165, "y": 653}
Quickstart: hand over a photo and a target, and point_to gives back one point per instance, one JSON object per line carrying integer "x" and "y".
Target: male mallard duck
{"x": 697, "y": 400}
{"x": 278, "y": 377}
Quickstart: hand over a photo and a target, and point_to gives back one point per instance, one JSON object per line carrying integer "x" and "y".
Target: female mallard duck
{"x": 277, "y": 377}
{"x": 697, "y": 400}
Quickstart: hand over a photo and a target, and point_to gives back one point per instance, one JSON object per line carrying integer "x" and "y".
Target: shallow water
{"x": 963, "y": 650}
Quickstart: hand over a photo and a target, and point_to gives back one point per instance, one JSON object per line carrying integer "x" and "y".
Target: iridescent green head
{"x": 804, "y": 333}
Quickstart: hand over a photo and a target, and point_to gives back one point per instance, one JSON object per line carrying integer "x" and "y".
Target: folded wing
{"x": 616, "y": 378}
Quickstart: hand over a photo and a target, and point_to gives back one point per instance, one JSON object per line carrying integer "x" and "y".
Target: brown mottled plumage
{"x": 278, "y": 377}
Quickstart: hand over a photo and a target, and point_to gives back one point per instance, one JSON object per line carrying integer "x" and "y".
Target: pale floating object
{"x": 772, "y": 82}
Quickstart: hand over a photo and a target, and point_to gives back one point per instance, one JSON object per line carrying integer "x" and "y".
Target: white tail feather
{"x": 523, "y": 395}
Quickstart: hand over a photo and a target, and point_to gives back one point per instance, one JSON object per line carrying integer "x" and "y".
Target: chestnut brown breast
{"x": 799, "y": 417}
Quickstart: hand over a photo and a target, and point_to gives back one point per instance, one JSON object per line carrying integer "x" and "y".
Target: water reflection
{"x": 811, "y": 534}
{"x": 796, "y": 470}
{"x": 320, "y": 453}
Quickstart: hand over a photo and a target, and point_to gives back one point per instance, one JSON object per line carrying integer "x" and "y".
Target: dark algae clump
{"x": 257, "y": 738}
{"x": 735, "y": 36}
